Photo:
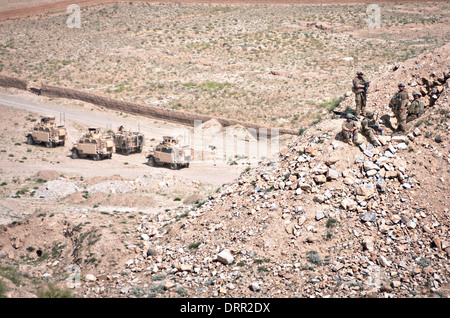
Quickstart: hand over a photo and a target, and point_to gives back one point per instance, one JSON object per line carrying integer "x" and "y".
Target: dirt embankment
{"x": 8, "y": 81}
{"x": 170, "y": 115}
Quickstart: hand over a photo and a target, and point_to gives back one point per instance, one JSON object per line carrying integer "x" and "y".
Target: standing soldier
{"x": 367, "y": 130}
{"x": 359, "y": 88}
{"x": 416, "y": 108}
{"x": 399, "y": 105}
{"x": 349, "y": 129}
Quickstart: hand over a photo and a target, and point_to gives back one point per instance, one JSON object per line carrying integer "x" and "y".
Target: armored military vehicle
{"x": 47, "y": 132}
{"x": 127, "y": 142}
{"x": 169, "y": 152}
{"x": 94, "y": 145}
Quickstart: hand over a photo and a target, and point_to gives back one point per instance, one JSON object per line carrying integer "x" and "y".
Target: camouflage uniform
{"x": 416, "y": 108}
{"x": 368, "y": 131}
{"x": 360, "y": 101}
{"x": 349, "y": 127}
{"x": 399, "y": 105}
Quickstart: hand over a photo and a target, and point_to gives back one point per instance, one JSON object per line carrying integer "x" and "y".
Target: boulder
{"x": 320, "y": 179}
{"x": 225, "y": 257}
{"x": 369, "y": 165}
{"x": 332, "y": 174}
{"x": 365, "y": 190}
{"x": 348, "y": 204}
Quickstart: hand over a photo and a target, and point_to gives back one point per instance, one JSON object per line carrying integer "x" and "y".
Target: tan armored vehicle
{"x": 170, "y": 153}
{"x": 94, "y": 145}
{"x": 127, "y": 142}
{"x": 47, "y": 132}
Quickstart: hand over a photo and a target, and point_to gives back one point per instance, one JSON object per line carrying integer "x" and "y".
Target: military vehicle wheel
{"x": 151, "y": 162}
{"x": 96, "y": 157}
{"x": 174, "y": 166}
{"x": 30, "y": 140}
{"x": 49, "y": 144}
{"x": 75, "y": 154}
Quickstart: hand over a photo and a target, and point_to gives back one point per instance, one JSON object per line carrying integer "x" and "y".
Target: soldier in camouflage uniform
{"x": 367, "y": 130}
{"x": 358, "y": 89}
{"x": 399, "y": 105}
{"x": 416, "y": 108}
{"x": 349, "y": 129}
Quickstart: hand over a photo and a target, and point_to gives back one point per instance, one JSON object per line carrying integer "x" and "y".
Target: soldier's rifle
{"x": 377, "y": 125}
{"x": 344, "y": 115}
{"x": 366, "y": 87}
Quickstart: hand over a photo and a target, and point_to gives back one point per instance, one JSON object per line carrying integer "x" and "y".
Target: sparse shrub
{"x": 194, "y": 245}
{"x": 423, "y": 262}
{"x": 314, "y": 257}
{"x": 181, "y": 291}
{"x": 263, "y": 269}
{"x": 331, "y": 105}
{"x": 52, "y": 292}
{"x": 331, "y": 222}
{"x": 157, "y": 277}
{"x": 3, "y": 289}
{"x": 155, "y": 290}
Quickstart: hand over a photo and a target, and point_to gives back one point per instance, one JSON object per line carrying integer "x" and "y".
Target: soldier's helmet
{"x": 401, "y": 85}
{"x": 359, "y": 73}
{"x": 369, "y": 114}
{"x": 416, "y": 93}
{"x": 349, "y": 116}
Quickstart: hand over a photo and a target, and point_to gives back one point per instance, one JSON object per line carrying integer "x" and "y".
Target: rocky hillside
{"x": 325, "y": 219}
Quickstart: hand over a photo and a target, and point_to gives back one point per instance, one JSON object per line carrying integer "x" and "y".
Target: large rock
{"x": 320, "y": 179}
{"x": 365, "y": 190}
{"x": 369, "y": 217}
{"x": 332, "y": 174}
{"x": 391, "y": 174}
{"x": 320, "y": 198}
{"x": 348, "y": 204}
{"x": 331, "y": 161}
{"x": 225, "y": 257}
{"x": 368, "y": 243}
{"x": 384, "y": 139}
{"x": 320, "y": 215}
{"x": 304, "y": 186}
{"x": 369, "y": 165}
{"x": 383, "y": 261}
{"x": 311, "y": 151}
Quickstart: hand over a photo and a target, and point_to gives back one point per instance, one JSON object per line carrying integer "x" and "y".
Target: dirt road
{"x": 78, "y": 116}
